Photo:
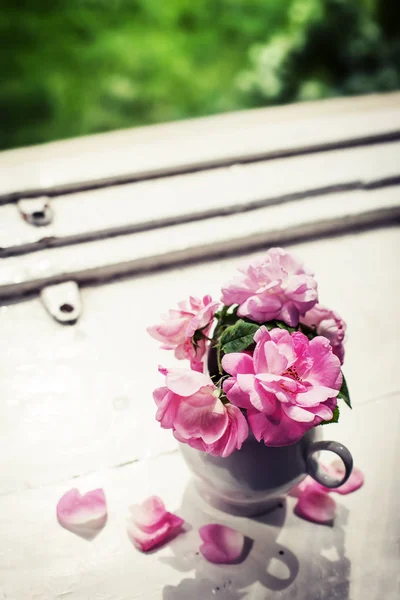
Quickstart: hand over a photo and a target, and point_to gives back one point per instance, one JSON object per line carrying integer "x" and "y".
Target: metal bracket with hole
{"x": 62, "y": 301}
{"x": 36, "y": 211}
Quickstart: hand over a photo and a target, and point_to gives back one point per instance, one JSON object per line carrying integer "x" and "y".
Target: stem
{"x": 220, "y": 369}
{"x": 224, "y": 399}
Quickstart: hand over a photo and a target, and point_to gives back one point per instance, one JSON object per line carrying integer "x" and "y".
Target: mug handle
{"x": 318, "y": 473}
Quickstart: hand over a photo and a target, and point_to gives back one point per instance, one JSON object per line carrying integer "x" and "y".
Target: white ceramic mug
{"x": 254, "y": 479}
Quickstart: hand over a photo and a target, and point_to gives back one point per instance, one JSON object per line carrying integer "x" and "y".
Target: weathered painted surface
{"x": 128, "y": 154}
{"x": 76, "y": 410}
{"x": 76, "y": 406}
{"x": 209, "y": 193}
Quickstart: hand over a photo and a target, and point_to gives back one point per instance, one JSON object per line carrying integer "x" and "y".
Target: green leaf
{"x": 344, "y": 393}
{"x": 335, "y": 418}
{"x": 238, "y": 337}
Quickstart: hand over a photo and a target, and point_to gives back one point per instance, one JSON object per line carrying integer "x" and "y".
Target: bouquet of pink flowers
{"x": 267, "y": 360}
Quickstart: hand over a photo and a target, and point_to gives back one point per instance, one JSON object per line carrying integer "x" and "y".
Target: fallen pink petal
{"x": 222, "y": 545}
{"x": 151, "y": 525}
{"x": 75, "y": 510}
{"x": 336, "y": 470}
{"x": 354, "y": 482}
{"x": 149, "y": 515}
{"x": 316, "y": 506}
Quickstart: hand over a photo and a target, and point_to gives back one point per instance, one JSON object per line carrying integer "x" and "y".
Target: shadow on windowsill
{"x": 318, "y": 570}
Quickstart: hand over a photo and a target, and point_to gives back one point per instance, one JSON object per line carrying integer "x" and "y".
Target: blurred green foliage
{"x": 74, "y": 67}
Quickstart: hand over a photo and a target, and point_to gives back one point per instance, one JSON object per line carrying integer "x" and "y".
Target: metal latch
{"x": 36, "y": 211}
{"x": 62, "y": 301}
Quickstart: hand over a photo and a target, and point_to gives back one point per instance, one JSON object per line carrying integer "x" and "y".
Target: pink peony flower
{"x": 329, "y": 324}
{"x": 288, "y": 386}
{"x": 179, "y": 326}
{"x": 151, "y": 525}
{"x": 277, "y": 286}
{"x": 189, "y": 404}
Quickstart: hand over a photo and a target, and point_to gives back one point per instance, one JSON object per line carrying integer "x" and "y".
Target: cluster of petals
{"x": 189, "y": 404}
{"x": 277, "y": 286}
{"x": 329, "y": 324}
{"x": 287, "y": 386}
{"x": 177, "y": 329}
{"x": 151, "y": 525}
{"x": 313, "y": 500}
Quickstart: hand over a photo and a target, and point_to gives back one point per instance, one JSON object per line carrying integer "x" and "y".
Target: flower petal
{"x": 222, "y": 545}
{"x": 336, "y": 469}
{"x": 207, "y": 419}
{"x": 235, "y": 394}
{"x": 89, "y": 510}
{"x": 149, "y": 515}
{"x": 290, "y": 314}
{"x": 203, "y": 318}
{"x": 185, "y": 382}
{"x": 326, "y": 366}
{"x": 315, "y": 505}
{"x": 247, "y": 385}
{"x": 234, "y": 436}
{"x": 147, "y": 541}
{"x": 316, "y": 395}
{"x": 328, "y": 324}
{"x": 354, "y": 482}
{"x": 277, "y": 429}
{"x": 297, "y": 413}
{"x": 237, "y": 362}
{"x": 260, "y": 308}
{"x": 262, "y": 335}
{"x": 167, "y": 406}
{"x": 151, "y": 525}
{"x": 169, "y": 332}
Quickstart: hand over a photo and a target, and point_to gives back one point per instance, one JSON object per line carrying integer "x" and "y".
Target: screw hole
{"x": 66, "y": 308}
{"x": 281, "y": 552}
